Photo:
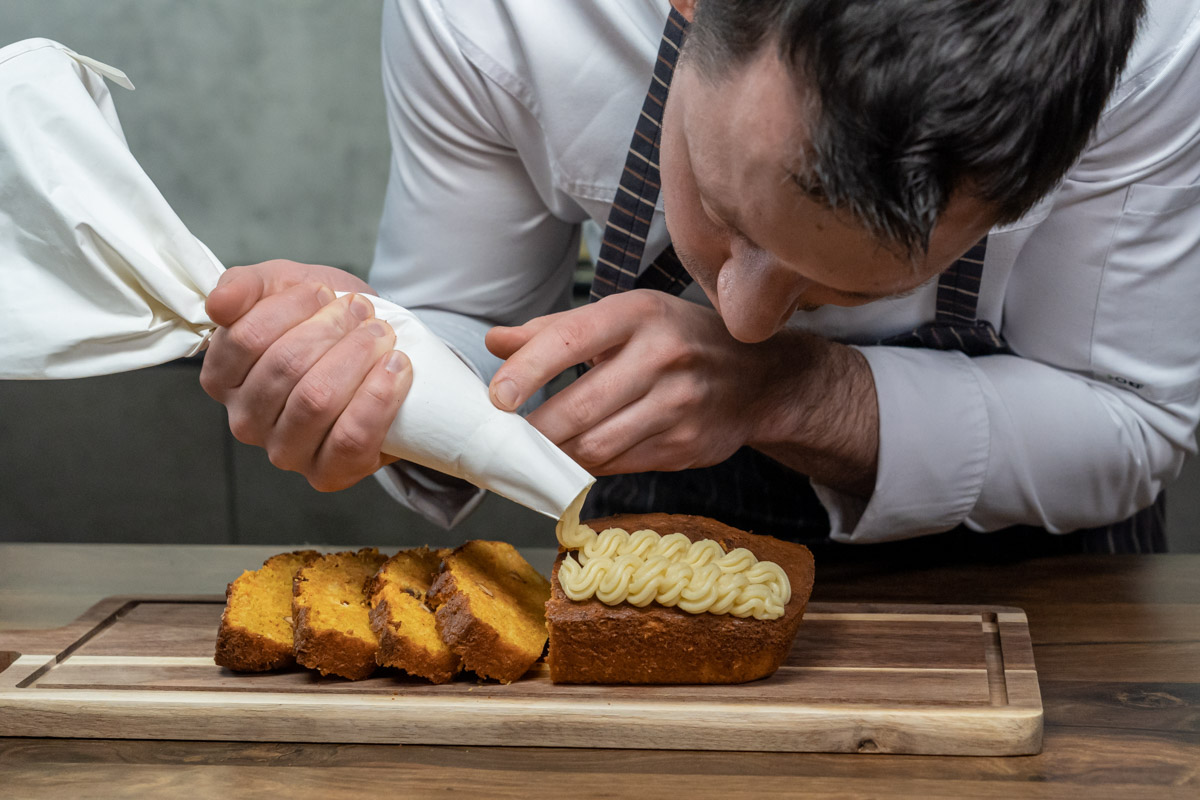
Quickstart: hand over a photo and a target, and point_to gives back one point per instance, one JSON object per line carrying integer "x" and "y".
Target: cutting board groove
{"x": 860, "y": 678}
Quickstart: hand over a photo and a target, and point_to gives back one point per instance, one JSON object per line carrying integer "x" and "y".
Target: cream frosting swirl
{"x": 643, "y": 567}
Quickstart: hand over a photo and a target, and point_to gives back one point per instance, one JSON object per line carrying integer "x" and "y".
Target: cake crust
{"x": 242, "y": 650}
{"x": 591, "y": 642}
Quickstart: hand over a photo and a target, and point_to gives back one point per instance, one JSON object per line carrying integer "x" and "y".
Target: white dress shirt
{"x": 510, "y": 121}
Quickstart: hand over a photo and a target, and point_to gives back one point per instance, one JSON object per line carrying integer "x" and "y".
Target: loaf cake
{"x": 403, "y": 619}
{"x": 491, "y": 609}
{"x": 256, "y": 626}
{"x": 591, "y": 642}
{"x": 333, "y": 632}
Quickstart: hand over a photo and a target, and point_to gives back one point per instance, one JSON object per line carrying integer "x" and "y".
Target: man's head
{"x": 838, "y": 151}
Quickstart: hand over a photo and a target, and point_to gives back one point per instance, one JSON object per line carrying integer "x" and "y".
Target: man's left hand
{"x": 671, "y": 389}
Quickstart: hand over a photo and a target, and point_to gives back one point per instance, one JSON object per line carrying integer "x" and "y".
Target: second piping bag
{"x": 98, "y": 275}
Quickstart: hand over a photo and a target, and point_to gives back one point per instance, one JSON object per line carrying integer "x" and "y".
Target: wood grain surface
{"x": 860, "y": 678}
{"x": 1116, "y": 640}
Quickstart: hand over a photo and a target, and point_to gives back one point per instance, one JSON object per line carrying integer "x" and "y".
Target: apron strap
{"x": 620, "y": 257}
{"x": 956, "y": 326}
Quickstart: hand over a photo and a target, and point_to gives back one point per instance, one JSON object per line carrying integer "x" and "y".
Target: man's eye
{"x": 812, "y": 188}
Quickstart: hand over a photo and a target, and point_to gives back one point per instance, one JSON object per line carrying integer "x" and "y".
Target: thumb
{"x": 236, "y": 293}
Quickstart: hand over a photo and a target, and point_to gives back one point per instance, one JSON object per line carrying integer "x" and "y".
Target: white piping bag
{"x": 98, "y": 275}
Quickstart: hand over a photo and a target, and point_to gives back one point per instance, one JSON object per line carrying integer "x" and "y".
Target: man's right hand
{"x": 311, "y": 379}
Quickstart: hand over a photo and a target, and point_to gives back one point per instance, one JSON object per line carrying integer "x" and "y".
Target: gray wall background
{"x": 262, "y": 123}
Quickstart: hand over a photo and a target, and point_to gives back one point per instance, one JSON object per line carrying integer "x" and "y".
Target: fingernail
{"x": 505, "y": 394}
{"x": 376, "y": 328}
{"x": 396, "y": 363}
{"x": 325, "y": 295}
{"x": 361, "y": 307}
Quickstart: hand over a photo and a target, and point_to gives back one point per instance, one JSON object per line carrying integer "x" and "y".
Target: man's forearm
{"x": 820, "y": 415}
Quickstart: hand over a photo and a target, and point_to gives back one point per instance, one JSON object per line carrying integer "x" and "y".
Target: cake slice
{"x": 591, "y": 642}
{"x": 332, "y": 616}
{"x": 403, "y": 619}
{"x": 491, "y": 609}
{"x": 256, "y": 626}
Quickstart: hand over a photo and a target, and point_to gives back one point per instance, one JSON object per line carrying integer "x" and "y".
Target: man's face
{"x": 754, "y": 241}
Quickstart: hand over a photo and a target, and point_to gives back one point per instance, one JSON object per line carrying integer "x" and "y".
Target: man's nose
{"x": 757, "y": 294}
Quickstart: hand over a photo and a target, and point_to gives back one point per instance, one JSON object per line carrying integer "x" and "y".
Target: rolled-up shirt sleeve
{"x": 466, "y": 241}
{"x": 1097, "y": 410}
{"x": 998, "y": 441}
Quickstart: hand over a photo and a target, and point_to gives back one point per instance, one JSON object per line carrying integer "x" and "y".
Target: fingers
{"x": 275, "y": 375}
{"x": 665, "y": 392}
{"x": 621, "y": 442}
{"x": 311, "y": 378}
{"x": 655, "y": 451}
{"x": 237, "y": 348}
{"x": 351, "y": 450}
{"x": 595, "y": 396}
{"x": 322, "y": 395}
{"x": 238, "y": 289}
{"x": 640, "y": 438}
{"x": 557, "y": 342}
{"x": 502, "y": 342}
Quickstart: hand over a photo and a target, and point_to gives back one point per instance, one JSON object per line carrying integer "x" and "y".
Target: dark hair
{"x": 918, "y": 98}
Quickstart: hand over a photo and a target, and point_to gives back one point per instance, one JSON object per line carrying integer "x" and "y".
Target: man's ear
{"x": 685, "y": 7}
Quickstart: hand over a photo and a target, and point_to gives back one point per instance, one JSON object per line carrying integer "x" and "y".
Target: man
{"x": 822, "y": 164}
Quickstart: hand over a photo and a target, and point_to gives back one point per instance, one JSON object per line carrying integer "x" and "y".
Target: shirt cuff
{"x": 441, "y": 499}
{"x": 933, "y": 448}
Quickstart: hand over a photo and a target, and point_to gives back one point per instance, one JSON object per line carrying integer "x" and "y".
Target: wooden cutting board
{"x": 860, "y": 678}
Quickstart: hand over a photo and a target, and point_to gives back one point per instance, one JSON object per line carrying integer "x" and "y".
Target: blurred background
{"x": 263, "y": 125}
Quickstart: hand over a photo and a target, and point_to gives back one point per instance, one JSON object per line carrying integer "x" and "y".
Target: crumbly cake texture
{"x": 403, "y": 619}
{"x": 591, "y": 642}
{"x": 333, "y": 632}
{"x": 256, "y": 625}
{"x": 491, "y": 609}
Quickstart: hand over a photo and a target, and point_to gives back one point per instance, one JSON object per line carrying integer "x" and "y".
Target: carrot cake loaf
{"x": 704, "y": 621}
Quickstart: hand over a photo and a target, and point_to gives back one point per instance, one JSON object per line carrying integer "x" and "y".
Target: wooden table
{"x": 1116, "y": 639}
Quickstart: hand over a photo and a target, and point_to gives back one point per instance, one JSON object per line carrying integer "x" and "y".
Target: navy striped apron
{"x": 750, "y": 490}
